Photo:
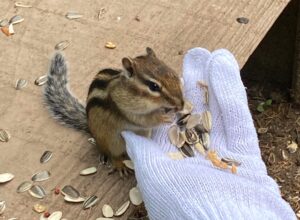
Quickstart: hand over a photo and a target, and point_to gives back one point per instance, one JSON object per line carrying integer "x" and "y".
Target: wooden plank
{"x": 167, "y": 26}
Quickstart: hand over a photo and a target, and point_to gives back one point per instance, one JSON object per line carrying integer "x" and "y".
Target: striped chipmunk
{"x": 143, "y": 94}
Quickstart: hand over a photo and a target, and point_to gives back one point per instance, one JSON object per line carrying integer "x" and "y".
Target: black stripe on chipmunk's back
{"x": 97, "y": 102}
{"x": 100, "y": 83}
{"x": 108, "y": 75}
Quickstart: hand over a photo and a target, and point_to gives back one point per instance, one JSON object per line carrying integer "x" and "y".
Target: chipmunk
{"x": 144, "y": 94}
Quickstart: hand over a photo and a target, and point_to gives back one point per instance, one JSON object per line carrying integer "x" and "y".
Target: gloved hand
{"x": 192, "y": 188}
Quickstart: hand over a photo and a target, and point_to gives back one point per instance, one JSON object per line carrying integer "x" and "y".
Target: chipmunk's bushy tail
{"x": 62, "y": 104}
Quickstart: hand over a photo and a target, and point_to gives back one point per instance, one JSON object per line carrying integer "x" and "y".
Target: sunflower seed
{"x": 37, "y": 191}
{"x": 292, "y": 147}
{"x": 193, "y": 121}
{"x": 129, "y": 164}
{"x": 110, "y": 45}
{"x": 271, "y": 159}
{"x": 75, "y": 200}
{"x": 2, "y": 207}
{"x": 107, "y": 211}
{"x": 4, "y": 23}
{"x": 205, "y": 140}
{"x": 187, "y": 108}
{"x": 191, "y": 136}
{"x": 41, "y": 176}
{"x": 41, "y": 80}
{"x": 22, "y": 5}
{"x": 62, "y": 45}
{"x": 88, "y": 171}
{"x": 73, "y": 15}
{"x": 55, "y": 216}
{"x": 230, "y": 161}
{"x": 92, "y": 141}
{"x": 206, "y": 118}
{"x": 284, "y": 155}
{"x": 24, "y": 186}
{"x": 187, "y": 151}
{"x": 16, "y": 19}
{"x": 70, "y": 191}
{"x": 199, "y": 147}
{"x": 123, "y": 208}
{"x": 173, "y": 134}
{"x": 175, "y": 155}
{"x": 46, "y": 156}
{"x": 4, "y": 135}
{"x": 21, "y": 83}
{"x": 135, "y": 196}
{"x": 242, "y": 20}
{"x": 90, "y": 201}
{"x": 39, "y": 208}
{"x": 6, "y": 177}
{"x": 183, "y": 120}
{"x": 262, "y": 130}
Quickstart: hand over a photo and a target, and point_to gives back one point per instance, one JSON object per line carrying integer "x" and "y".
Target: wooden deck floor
{"x": 166, "y": 26}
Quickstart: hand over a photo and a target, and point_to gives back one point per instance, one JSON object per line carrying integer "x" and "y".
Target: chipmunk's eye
{"x": 153, "y": 86}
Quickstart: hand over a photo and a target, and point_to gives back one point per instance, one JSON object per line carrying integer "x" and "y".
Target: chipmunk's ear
{"x": 150, "y": 52}
{"x": 128, "y": 65}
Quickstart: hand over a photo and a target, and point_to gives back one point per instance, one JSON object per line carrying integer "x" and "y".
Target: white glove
{"x": 192, "y": 188}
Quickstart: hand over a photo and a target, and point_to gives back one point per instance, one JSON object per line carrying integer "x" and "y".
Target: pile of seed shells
{"x": 190, "y": 133}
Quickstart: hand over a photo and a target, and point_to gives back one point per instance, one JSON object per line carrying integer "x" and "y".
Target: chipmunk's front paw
{"x": 167, "y": 117}
{"x": 119, "y": 166}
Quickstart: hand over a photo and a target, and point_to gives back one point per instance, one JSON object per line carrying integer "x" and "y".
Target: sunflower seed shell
{"x": 4, "y": 23}
{"x": 74, "y": 200}
{"x": 292, "y": 147}
{"x": 55, "y": 216}
{"x": 129, "y": 164}
{"x": 22, "y": 5}
{"x": 193, "y": 121}
{"x": 6, "y": 177}
{"x": 62, "y": 45}
{"x": 90, "y": 201}
{"x": 4, "y": 135}
{"x": 41, "y": 176}
{"x": 11, "y": 30}
{"x": 103, "y": 218}
{"x": 37, "y": 191}
{"x": 46, "y": 156}
{"x": 41, "y": 80}
{"x": 26, "y": 185}
{"x": 107, "y": 211}
{"x": 88, "y": 171}
{"x": 20, "y": 84}
{"x": 135, "y": 196}
{"x": 70, "y": 191}
{"x": 92, "y": 141}
{"x": 206, "y": 118}
{"x": 123, "y": 208}
{"x": 16, "y": 19}
{"x": 230, "y": 161}
{"x": 73, "y": 15}
{"x": 2, "y": 207}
